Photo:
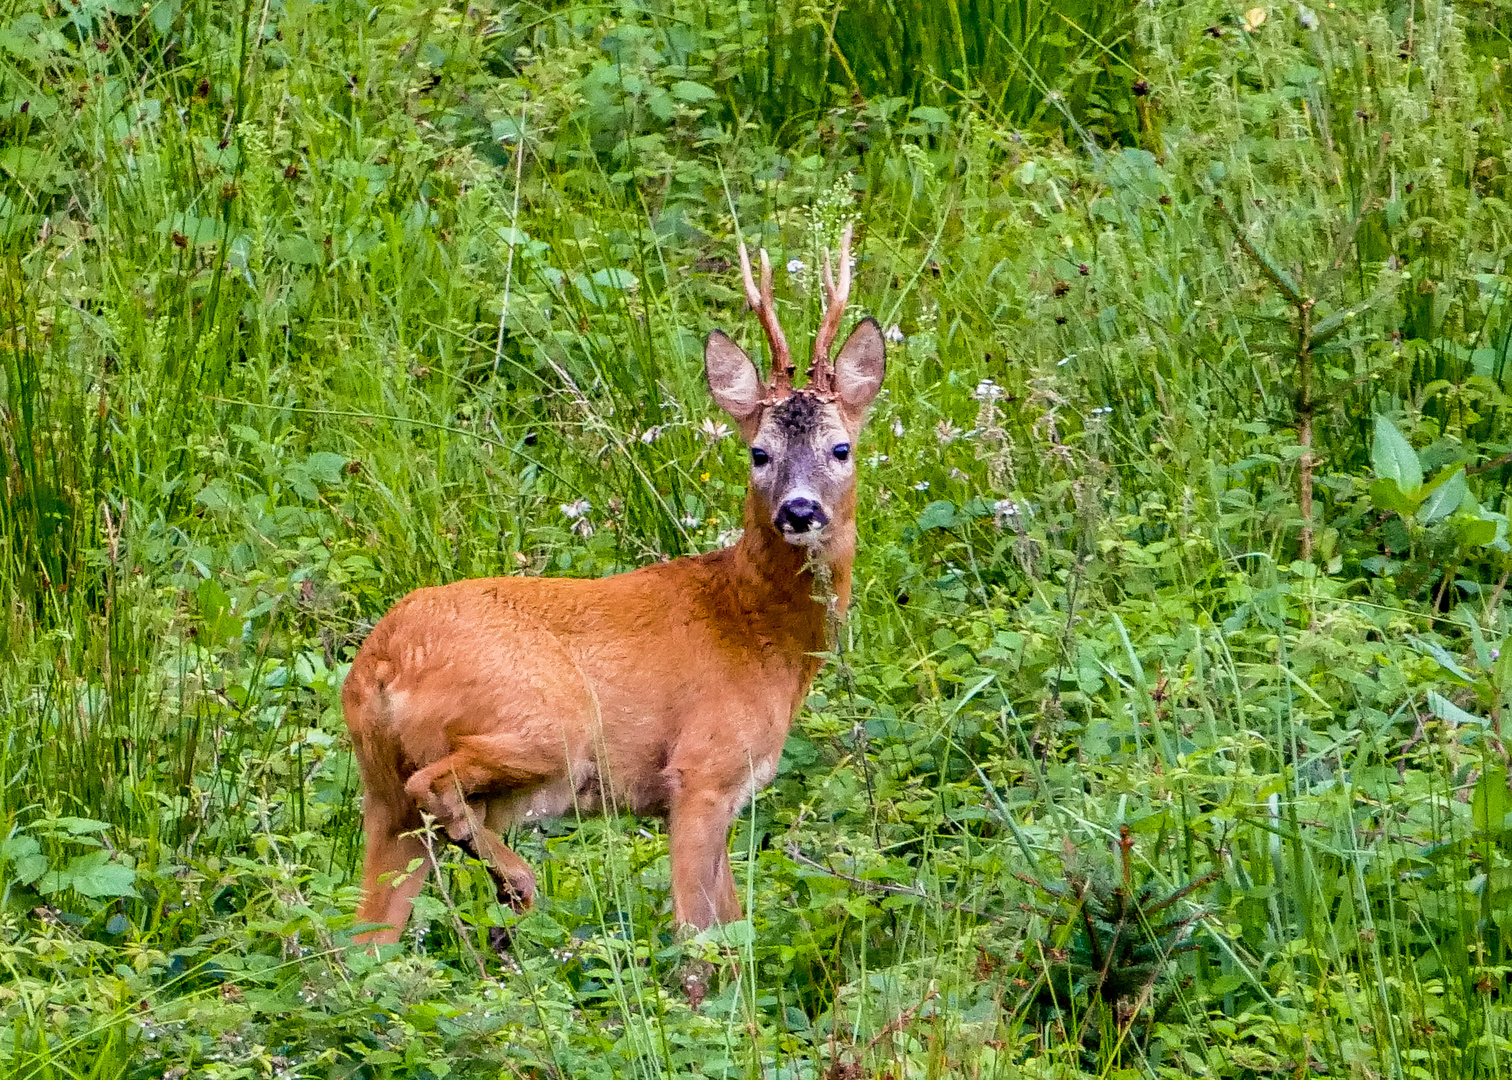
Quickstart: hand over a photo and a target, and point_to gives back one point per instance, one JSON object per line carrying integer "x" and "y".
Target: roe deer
{"x": 668, "y": 690}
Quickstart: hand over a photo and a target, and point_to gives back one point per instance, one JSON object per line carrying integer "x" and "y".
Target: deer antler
{"x": 821, "y": 371}
{"x": 760, "y": 301}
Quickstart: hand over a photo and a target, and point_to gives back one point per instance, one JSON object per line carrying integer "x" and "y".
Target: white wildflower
{"x": 922, "y": 485}
{"x": 897, "y": 427}
{"x": 795, "y": 266}
{"x": 987, "y": 390}
{"x": 576, "y": 509}
{"x": 894, "y": 333}
{"x": 1005, "y": 512}
{"x": 713, "y": 430}
{"x": 691, "y": 521}
{"x": 651, "y": 434}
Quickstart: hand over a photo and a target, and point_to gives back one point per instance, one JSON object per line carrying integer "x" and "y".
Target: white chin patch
{"x": 814, "y": 538}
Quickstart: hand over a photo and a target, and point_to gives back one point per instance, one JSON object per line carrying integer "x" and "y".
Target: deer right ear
{"x": 732, "y": 377}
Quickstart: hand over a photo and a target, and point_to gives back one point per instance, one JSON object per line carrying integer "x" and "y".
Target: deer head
{"x": 803, "y": 467}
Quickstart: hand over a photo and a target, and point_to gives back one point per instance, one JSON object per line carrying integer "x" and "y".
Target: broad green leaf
{"x": 614, "y": 277}
{"x": 218, "y": 496}
{"x": 1393, "y": 457}
{"x": 101, "y": 879}
{"x": 24, "y": 854}
{"x": 1477, "y": 532}
{"x": 938, "y": 515}
{"x": 299, "y": 250}
{"x": 1388, "y": 495}
{"x": 325, "y": 467}
{"x": 1445, "y": 659}
{"x": 931, "y": 114}
{"x": 192, "y": 229}
{"x": 542, "y": 927}
{"x": 1444, "y": 499}
{"x": 692, "y": 92}
{"x": 730, "y": 935}
{"x": 1450, "y": 713}
{"x": 78, "y": 826}
{"x": 1490, "y": 802}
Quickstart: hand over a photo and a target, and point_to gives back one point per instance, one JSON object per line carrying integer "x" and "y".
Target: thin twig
{"x": 1494, "y": 463}
{"x": 514, "y": 226}
{"x": 430, "y": 853}
{"x": 902, "y": 1020}
{"x": 1268, "y": 268}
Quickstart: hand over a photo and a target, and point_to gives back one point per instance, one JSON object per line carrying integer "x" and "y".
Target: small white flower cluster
{"x": 1005, "y": 513}
{"x": 713, "y": 430}
{"x": 893, "y": 334}
{"x": 987, "y": 390}
{"x": 1102, "y": 410}
{"x": 577, "y": 513}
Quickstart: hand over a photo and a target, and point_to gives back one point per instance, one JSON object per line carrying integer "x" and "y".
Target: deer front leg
{"x": 703, "y": 888}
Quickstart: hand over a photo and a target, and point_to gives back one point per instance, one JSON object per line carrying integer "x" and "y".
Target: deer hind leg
{"x": 703, "y": 887}
{"x": 387, "y": 893}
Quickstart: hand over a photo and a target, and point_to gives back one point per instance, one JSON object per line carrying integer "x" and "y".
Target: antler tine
{"x": 760, "y": 301}
{"x": 821, "y": 371}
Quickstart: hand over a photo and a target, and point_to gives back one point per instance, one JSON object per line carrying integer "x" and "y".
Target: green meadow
{"x": 1164, "y": 738}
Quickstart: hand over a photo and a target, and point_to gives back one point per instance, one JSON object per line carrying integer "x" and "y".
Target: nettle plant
{"x": 1434, "y": 520}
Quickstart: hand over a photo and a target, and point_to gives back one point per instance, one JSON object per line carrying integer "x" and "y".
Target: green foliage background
{"x": 1128, "y": 765}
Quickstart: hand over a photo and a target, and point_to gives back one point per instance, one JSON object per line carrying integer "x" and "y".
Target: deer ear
{"x": 860, "y": 366}
{"x": 732, "y": 377}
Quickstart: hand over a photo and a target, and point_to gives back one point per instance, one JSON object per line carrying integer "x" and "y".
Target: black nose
{"x": 801, "y": 515}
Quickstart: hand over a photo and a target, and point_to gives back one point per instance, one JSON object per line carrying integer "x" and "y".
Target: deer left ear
{"x": 860, "y": 366}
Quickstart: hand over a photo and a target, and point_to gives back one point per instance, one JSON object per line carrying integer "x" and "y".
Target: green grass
{"x": 1116, "y": 772}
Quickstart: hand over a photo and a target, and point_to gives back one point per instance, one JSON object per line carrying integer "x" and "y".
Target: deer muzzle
{"x": 800, "y": 520}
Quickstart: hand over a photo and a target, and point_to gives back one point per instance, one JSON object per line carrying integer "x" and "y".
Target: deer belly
{"x": 577, "y": 793}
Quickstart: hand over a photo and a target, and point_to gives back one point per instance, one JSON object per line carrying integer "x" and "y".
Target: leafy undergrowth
{"x": 1164, "y": 736}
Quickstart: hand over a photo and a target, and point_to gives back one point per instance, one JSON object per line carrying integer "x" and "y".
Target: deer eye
{"x": 842, "y": 451}
{"x": 759, "y": 457}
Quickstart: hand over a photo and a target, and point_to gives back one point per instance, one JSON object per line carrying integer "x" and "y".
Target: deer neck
{"x": 785, "y": 584}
